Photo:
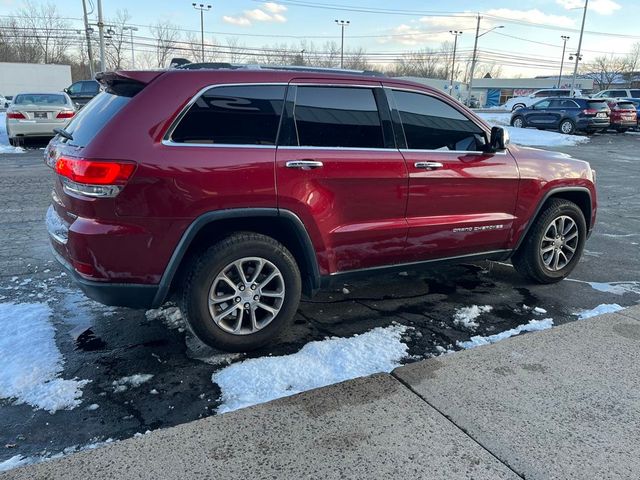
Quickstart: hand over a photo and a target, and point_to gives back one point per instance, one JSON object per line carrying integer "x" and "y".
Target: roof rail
{"x": 183, "y": 64}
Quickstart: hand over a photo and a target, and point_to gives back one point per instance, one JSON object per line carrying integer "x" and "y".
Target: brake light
{"x": 65, "y": 114}
{"x": 589, "y": 111}
{"x": 94, "y": 178}
{"x": 15, "y": 115}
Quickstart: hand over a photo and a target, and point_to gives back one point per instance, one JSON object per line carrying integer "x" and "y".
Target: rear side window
{"x": 89, "y": 88}
{"x": 95, "y": 115}
{"x": 431, "y": 124}
{"x": 618, "y": 93}
{"x": 635, "y": 93}
{"x": 337, "y": 117}
{"x": 235, "y": 115}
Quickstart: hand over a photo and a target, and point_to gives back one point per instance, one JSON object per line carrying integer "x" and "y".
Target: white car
{"x": 521, "y": 102}
{"x": 618, "y": 93}
{"x": 37, "y": 115}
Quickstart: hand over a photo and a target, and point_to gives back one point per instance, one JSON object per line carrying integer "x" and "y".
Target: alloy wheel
{"x": 559, "y": 243}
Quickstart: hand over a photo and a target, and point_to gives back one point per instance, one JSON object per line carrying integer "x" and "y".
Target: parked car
{"x": 37, "y": 115}
{"x": 636, "y": 102}
{"x": 623, "y": 115}
{"x": 165, "y": 187}
{"x": 566, "y": 114}
{"x": 618, "y": 93}
{"x": 83, "y": 91}
{"x": 521, "y": 102}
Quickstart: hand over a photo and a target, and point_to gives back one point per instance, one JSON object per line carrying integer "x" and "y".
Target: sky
{"x": 528, "y": 44}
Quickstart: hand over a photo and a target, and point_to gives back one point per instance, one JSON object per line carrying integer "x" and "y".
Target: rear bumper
{"x": 593, "y": 123}
{"x": 33, "y": 129}
{"x": 130, "y": 295}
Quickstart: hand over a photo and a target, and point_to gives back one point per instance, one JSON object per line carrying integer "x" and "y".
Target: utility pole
{"x": 101, "y": 36}
{"x": 474, "y": 57}
{"x": 202, "y": 7}
{"x": 87, "y": 33}
{"x": 564, "y": 47}
{"x": 342, "y": 23}
{"x": 456, "y": 34}
{"x": 575, "y": 69}
{"x": 133, "y": 53}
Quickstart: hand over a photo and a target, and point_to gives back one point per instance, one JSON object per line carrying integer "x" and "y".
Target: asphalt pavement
{"x": 126, "y": 342}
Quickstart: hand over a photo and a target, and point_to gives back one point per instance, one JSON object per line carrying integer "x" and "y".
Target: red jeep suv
{"x": 237, "y": 190}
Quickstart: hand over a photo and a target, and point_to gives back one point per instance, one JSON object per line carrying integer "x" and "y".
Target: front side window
{"x": 75, "y": 88}
{"x": 431, "y": 124}
{"x": 618, "y": 93}
{"x": 542, "y": 94}
{"x": 542, "y": 105}
{"x": 337, "y": 117}
{"x": 234, "y": 115}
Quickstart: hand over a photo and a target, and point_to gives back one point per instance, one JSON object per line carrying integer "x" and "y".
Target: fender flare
{"x": 308, "y": 251}
{"x": 546, "y": 197}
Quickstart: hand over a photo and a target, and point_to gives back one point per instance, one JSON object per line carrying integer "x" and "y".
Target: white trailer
{"x": 33, "y": 77}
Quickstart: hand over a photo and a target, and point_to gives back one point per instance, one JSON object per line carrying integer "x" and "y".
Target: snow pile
{"x": 532, "y": 326}
{"x": 20, "y": 461}
{"x": 599, "y": 310}
{"x": 31, "y": 362}
{"x": 531, "y": 136}
{"x": 132, "y": 381}
{"x": 4, "y": 139}
{"x": 467, "y": 316}
{"x": 617, "y": 288}
{"x": 170, "y": 315}
{"x": 316, "y": 365}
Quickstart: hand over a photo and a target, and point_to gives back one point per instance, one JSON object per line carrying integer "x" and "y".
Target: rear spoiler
{"x": 126, "y": 82}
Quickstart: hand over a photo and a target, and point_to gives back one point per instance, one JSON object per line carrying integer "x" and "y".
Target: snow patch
{"x": 4, "y": 139}
{"x": 599, "y": 310}
{"x": 533, "y": 325}
{"x": 132, "y": 381}
{"x": 170, "y": 315}
{"x": 467, "y": 316}
{"x": 31, "y": 361}
{"x": 617, "y": 288}
{"x": 316, "y": 365}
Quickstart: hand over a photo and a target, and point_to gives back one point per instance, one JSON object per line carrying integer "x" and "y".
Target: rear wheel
{"x": 12, "y": 142}
{"x": 241, "y": 292}
{"x": 517, "y": 106}
{"x": 518, "y": 122}
{"x": 554, "y": 244}
{"x": 567, "y": 127}
{"x": 621, "y": 129}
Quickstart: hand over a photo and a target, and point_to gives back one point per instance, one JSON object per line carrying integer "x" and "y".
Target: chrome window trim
{"x": 167, "y": 141}
{"x": 457, "y": 152}
{"x": 312, "y": 147}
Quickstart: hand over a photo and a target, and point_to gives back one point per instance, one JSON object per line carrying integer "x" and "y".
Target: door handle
{"x": 428, "y": 165}
{"x": 304, "y": 164}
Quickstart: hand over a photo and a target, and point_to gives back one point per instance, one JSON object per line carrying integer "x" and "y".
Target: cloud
{"x": 603, "y": 7}
{"x": 534, "y": 16}
{"x": 269, "y": 12}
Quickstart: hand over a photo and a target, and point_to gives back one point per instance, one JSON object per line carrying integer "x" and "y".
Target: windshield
{"x": 40, "y": 99}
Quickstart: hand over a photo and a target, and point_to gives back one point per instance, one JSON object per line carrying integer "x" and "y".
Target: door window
{"x": 89, "y": 88}
{"x": 240, "y": 115}
{"x": 337, "y": 117}
{"x": 544, "y": 104}
{"x": 75, "y": 88}
{"x": 431, "y": 124}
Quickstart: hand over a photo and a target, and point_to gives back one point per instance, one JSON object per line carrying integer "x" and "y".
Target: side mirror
{"x": 65, "y": 90}
{"x": 499, "y": 139}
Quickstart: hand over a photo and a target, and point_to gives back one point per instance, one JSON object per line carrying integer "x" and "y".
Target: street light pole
{"x": 202, "y": 7}
{"x": 564, "y": 47}
{"x": 575, "y": 69}
{"x": 88, "y": 35}
{"x": 101, "y": 36}
{"x": 474, "y": 57}
{"x": 133, "y": 53}
{"x": 342, "y": 23}
{"x": 456, "y": 34}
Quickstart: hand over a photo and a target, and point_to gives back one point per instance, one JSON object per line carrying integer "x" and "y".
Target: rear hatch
{"x": 598, "y": 109}
{"x": 624, "y": 112}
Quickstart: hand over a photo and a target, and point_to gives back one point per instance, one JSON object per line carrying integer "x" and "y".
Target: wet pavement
{"x": 124, "y": 342}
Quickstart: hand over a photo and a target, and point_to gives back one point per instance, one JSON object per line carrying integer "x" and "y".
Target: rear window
{"x": 95, "y": 115}
{"x": 40, "y": 99}
{"x": 234, "y": 115}
{"x": 626, "y": 106}
{"x": 597, "y": 104}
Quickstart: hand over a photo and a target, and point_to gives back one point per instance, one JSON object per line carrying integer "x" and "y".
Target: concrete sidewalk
{"x": 562, "y": 403}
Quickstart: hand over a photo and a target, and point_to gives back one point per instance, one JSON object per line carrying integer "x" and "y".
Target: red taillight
{"x": 65, "y": 114}
{"x": 589, "y": 111}
{"x": 15, "y": 115}
{"x": 90, "y": 172}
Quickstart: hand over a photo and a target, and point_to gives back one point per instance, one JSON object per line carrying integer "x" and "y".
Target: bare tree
{"x": 166, "y": 36}
{"x": 633, "y": 64}
{"x": 46, "y": 29}
{"x": 427, "y": 63}
{"x": 118, "y": 40}
{"x": 604, "y": 70}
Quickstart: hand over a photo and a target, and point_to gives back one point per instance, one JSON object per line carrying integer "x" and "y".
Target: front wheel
{"x": 567, "y": 127}
{"x": 517, "y": 106}
{"x": 517, "y": 122}
{"x": 554, "y": 244}
{"x": 241, "y": 292}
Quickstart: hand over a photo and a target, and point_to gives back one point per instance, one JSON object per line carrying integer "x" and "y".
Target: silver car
{"x": 37, "y": 114}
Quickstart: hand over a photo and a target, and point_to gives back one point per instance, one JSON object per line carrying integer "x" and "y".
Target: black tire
{"x": 204, "y": 269}
{"x": 517, "y": 106}
{"x": 12, "y": 141}
{"x": 621, "y": 130}
{"x": 528, "y": 259}
{"x": 567, "y": 127}
{"x": 515, "y": 120}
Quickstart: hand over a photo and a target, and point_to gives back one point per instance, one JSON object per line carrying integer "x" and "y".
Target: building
{"x": 496, "y": 91}
{"x": 34, "y": 77}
